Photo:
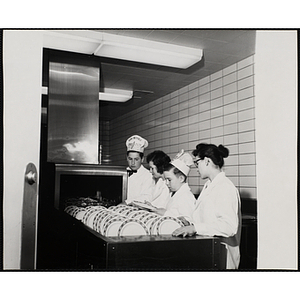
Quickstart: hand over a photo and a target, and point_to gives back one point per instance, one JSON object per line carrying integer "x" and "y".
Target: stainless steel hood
{"x": 73, "y": 113}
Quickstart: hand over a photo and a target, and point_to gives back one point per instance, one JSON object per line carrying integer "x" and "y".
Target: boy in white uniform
{"x": 181, "y": 202}
{"x": 139, "y": 178}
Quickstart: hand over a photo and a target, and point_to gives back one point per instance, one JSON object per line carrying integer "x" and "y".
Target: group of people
{"x": 164, "y": 187}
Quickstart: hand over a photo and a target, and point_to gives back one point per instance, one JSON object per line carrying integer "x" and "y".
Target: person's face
{"x": 201, "y": 166}
{"x": 134, "y": 160}
{"x": 153, "y": 170}
{"x": 172, "y": 181}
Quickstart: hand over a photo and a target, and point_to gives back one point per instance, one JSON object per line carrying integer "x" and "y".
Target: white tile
{"x": 204, "y": 106}
{"x": 217, "y": 131}
{"x": 193, "y": 85}
{"x": 216, "y": 75}
{"x": 231, "y": 128}
{"x": 230, "y": 170}
{"x": 204, "y": 116}
{"x": 216, "y": 102}
{"x": 216, "y": 112}
{"x": 247, "y": 114}
{"x": 248, "y": 181}
{"x": 231, "y": 139}
{"x": 230, "y": 98}
{"x": 229, "y": 69}
{"x": 193, "y": 93}
{"x": 204, "y": 89}
{"x": 174, "y": 94}
{"x": 247, "y": 148}
{"x": 245, "y": 72}
{"x": 245, "y": 62}
{"x": 247, "y": 159}
{"x": 246, "y": 93}
{"x": 246, "y": 137}
{"x": 193, "y": 110}
{"x": 185, "y": 89}
{"x": 174, "y": 108}
{"x": 216, "y": 122}
{"x": 246, "y": 82}
{"x": 204, "y": 98}
{"x": 204, "y": 134}
{"x": 193, "y": 102}
{"x": 230, "y": 88}
{"x": 193, "y": 136}
{"x": 230, "y": 118}
{"x": 204, "y": 81}
{"x": 183, "y": 122}
{"x": 234, "y": 180}
{"x": 194, "y": 119}
{"x": 183, "y": 105}
{"x": 204, "y": 125}
{"x": 183, "y": 113}
{"x": 183, "y": 97}
{"x": 230, "y": 108}
{"x": 216, "y": 93}
{"x": 183, "y": 130}
{"x": 246, "y": 104}
{"x": 247, "y": 125}
{"x": 230, "y": 78}
{"x": 216, "y": 84}
{"x": 217, "y": 140}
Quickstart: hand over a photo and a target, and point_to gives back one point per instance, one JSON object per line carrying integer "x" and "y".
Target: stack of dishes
{"x": 124, "y": 220}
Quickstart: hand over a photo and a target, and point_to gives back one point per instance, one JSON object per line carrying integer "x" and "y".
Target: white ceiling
{"x": 221, "y": 48}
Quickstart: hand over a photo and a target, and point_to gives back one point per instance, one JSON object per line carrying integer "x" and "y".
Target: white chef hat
{"x": 183, "y": 162}
{"x": 136, "y": 143}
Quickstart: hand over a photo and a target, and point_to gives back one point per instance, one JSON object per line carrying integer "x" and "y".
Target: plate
{"x": 144, "y": 205}
{"x": 80, "y": 213}
{"x": 102, "y": 223}
{"x": 89, "y": 219}
{"x": 70, "y": 209}
{"x": 151, "y": 225}
{"x": 125, "y": 210}
{"x": 112, "y": 226}
{"x": 131, "y": 227}
{"x": 89, "y": 212}
{"x": 167, "y": 225}
{"x": 148, "y": 218}
{"x": 98, "y": 220}
{"x": 98, "y": 215}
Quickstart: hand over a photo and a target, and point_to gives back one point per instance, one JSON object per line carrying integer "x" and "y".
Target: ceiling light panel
{"x": 145, "y": 51}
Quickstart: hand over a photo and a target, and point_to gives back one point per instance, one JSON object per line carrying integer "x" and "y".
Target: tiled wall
{"x": 217, "y": 109}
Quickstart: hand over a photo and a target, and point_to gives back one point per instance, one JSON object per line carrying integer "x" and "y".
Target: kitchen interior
{"x": 213, "y": 100}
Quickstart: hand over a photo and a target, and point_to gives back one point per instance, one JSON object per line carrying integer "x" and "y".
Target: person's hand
{"x": 184, "y": 221}
{"x": 159, "y": 211}
{"x": 185, "y": 231}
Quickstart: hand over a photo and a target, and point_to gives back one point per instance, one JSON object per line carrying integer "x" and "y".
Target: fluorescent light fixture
{"x": 151, "y": 52}
{"x": 115, "y": 95}
{"x": 123, "y": 47}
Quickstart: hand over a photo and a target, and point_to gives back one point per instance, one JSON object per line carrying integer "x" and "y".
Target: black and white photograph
{"x": 150, "y": 150}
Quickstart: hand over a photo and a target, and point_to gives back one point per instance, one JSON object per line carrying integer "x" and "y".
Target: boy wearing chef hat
{"x": 181, "y": 201}
{"x": 139, "y": 178}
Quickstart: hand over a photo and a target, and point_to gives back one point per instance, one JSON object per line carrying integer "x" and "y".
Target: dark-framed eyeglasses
{"x": 196, "y": 162}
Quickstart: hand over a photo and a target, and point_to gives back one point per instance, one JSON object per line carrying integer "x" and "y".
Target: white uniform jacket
{"x": 218, "y": 213}
{"x": 160, "y": 194}
{"x": 139, "y": 184}
{"x": 182, "y": 203}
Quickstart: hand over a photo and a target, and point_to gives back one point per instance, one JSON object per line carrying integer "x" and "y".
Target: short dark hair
{"x": 215, "y": 153}
{"x": 177, "y": 172}
{"x": 160, "y": 159}
{"x": 140, "y": 153}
